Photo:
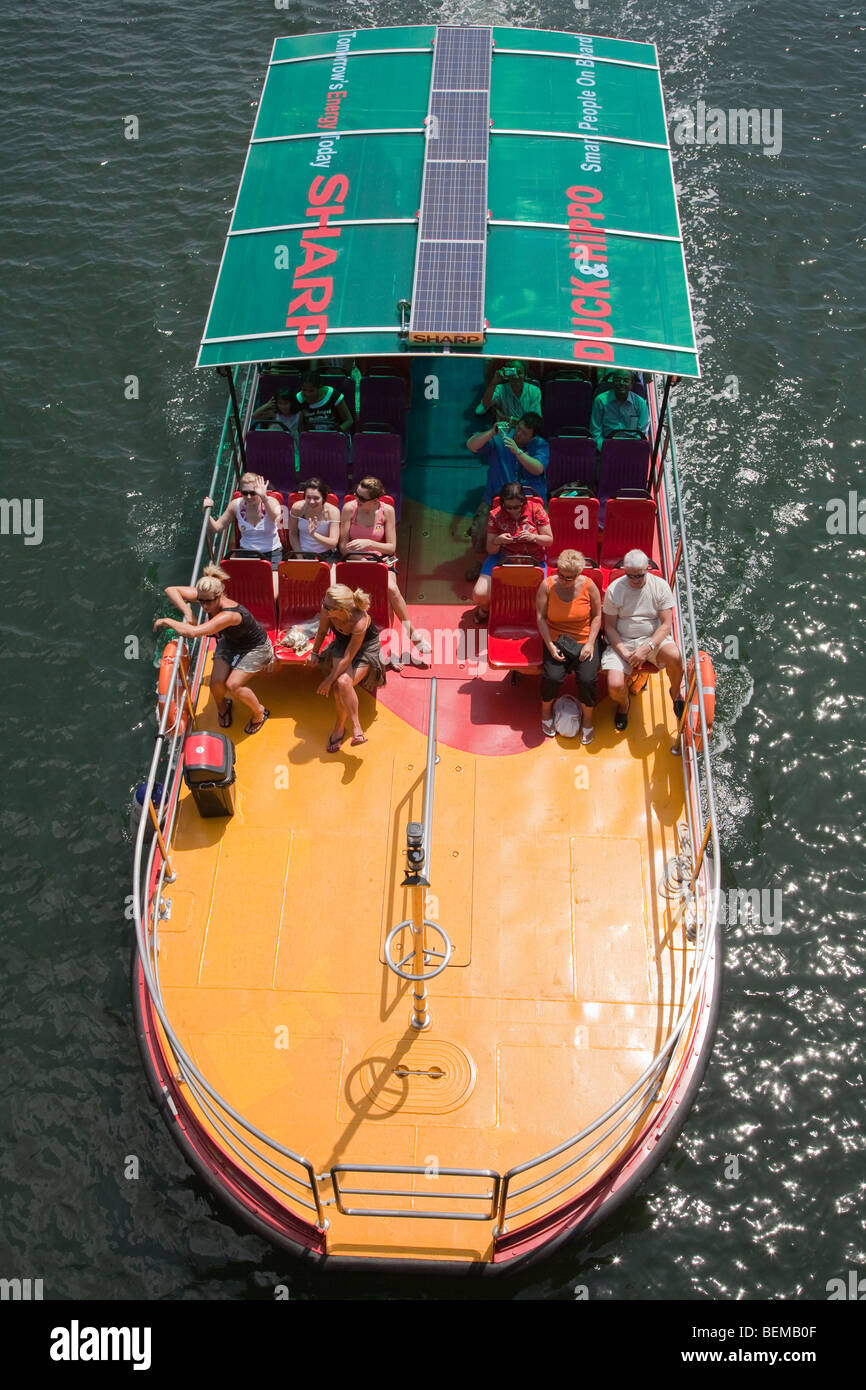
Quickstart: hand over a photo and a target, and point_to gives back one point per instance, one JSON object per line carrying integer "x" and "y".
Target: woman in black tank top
{"x": 243, "y": 646}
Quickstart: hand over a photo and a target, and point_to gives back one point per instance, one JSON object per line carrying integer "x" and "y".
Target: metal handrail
{"x": 641, "y": 1096}
{"x": 430, "y": 772}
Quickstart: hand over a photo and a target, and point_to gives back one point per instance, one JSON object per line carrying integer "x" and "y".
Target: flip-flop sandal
{"x": 479, "y": 617}
{"x": 254, "y": 725}
{"x": 225, "y": 719}
{"x": 358, "y": 738}
{"x": 334, "y": 743}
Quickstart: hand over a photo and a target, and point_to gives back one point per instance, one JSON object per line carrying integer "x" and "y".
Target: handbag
{"x": 569, "y": 647}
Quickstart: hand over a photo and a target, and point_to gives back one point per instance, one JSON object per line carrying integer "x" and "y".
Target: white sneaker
{"x": 587, "y": 734}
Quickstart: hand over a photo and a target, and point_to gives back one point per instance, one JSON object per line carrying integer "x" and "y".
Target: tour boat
{"x": 445, "y": 999}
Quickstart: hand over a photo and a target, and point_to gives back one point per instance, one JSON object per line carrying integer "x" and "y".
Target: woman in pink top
{"x": 368, "y": 531}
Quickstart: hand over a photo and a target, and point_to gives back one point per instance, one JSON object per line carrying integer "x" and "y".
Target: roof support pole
{"x": 228, "y": 373}
{"x": 669, "y": 381}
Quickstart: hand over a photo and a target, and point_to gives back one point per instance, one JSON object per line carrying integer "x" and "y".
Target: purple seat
{"x": 572, "y": 460}
{"x": 325, "y": 454}
{"x": 376, "y": 454}
{"x": 624, "y": 463}
{"x": 383, "y": 402}
{"x": 272, "y": 453}
{"x": 272, "y": 382}
{"x": 567, "y": 403}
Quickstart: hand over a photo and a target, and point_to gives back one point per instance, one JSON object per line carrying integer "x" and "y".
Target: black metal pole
{"x": 669, "y": 380}
{"x": 228, "y": 373}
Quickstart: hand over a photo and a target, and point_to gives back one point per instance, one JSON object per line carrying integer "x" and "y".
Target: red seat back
{"x": 299, "y": 497}
{"x": 574, "y": 522}
{"x": 302, "y": 588}
{"x": 250, "y": 582}
{"x": 630, "y": 524}
{"x": 373, "y": 579}
{"x": 513, "y": 590}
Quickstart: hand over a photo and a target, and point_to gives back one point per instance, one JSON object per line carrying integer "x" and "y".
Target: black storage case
{"x": 209, "y": 772}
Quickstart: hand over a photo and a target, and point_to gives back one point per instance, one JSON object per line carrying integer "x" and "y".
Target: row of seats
{"x": 630, "y": 524}
{"x": 302, "y": 585}
{"x": 513, "y": 640}
{"x": 325, "y": 454}
{"x": 382, "y": 400}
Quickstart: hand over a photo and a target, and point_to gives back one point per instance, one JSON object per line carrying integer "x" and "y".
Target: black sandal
{"x": 225, "y": 719}
{"x": 254, "y": 725}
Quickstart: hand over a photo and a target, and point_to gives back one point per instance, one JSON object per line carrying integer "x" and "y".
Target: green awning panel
{"x": 584, "y": 261}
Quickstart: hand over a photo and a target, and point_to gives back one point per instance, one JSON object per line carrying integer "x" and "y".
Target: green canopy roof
{"x": 584, "y": 257}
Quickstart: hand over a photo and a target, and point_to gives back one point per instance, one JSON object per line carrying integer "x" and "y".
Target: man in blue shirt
{"x": 618, "y": 409}
{"x": 520, "y": 456}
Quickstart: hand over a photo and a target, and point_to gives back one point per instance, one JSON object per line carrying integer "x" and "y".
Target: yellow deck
{"x": 567, "y": 971}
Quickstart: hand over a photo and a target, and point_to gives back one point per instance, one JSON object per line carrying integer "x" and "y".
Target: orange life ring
{"x": 177, "y": 708}
{"x": 708, "y": 681}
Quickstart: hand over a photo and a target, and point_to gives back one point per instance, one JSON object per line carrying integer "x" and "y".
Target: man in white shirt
{"x": 638, "y": 618}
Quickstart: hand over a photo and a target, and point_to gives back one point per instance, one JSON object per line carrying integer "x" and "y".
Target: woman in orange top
{"x": 569, "y": 606}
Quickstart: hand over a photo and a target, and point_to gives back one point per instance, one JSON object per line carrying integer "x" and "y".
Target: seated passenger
{"x": 569, "y": 606}
{"x": 279, "y": 413}
{"x": 314, "y": 524}
{"x": 368, "y": 531}
{"x": 243, "y": 647}
{"x": 618, "y": 409}
{"x": 510, "y": 396}
{"x": 257, "y": 517}
{"x": 638, "y": 617}
{"x": 518, "y": 525}
{"x": 322, "y": 407}
{"x": 354, "y": 656}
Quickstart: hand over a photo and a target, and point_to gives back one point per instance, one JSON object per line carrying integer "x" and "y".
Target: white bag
{"x": 567, "y": 716}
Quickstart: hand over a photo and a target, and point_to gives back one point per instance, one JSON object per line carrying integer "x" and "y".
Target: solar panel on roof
{"x": 448, "y": 286}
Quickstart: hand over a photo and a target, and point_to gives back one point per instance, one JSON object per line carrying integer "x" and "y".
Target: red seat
{"x": 373, "y": 579}
{"x": 299, "y": 497}
{"x": 386, "y": 497}
{"x": 630, "y": 524}
{"x": 513, "y": 640}
{"x": 250, "y": 582}
{"x": 574, "y": 521}
{"x": 302, "y": 589}
{"x": 590, "y": 572}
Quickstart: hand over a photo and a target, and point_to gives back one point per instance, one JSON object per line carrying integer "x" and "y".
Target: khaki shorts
{"x": 612, "y": 661}
{"x": 257, "y": 659}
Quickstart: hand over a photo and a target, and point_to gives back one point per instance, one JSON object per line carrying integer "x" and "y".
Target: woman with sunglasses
{"x": 354, "y": 656}
{"x": 568, "y": 606}
{"x": 517, "y": 525}
{"x": 257, "y": 517}
{"x": 243, "y": 647}
{"x": 368, "y": 531}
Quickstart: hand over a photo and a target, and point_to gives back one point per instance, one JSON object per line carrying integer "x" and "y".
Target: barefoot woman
{"x": 354, "y": 655}
{"x": 243, "y": 647}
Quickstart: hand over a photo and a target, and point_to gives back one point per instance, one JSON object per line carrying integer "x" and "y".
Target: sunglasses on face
{"x": 640, "y": 575}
